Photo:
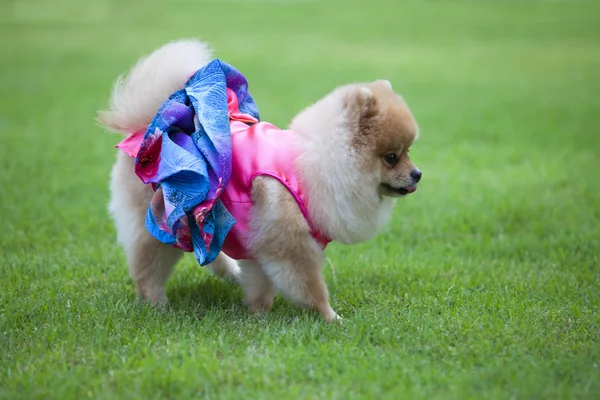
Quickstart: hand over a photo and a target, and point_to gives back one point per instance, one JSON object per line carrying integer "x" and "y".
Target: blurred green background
{"x": 484, "y": 285}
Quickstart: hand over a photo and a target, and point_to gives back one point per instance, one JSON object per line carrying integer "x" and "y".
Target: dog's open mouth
{"x": 400, "y": 191}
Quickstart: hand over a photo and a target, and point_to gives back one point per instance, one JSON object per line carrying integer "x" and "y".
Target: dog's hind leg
{"x": 150, "y": 264}
{"x": 150, "y": 261}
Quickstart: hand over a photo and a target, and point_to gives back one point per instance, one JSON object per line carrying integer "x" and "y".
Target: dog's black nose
{"x": 416, "y": 175}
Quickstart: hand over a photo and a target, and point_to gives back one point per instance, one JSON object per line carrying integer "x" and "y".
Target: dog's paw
{"x": 334, "y": 319}
{"x": 262, "y": 304}
{"x": 328, "y": 314}
{"x": 337, "y": 319}
{"x": 156, "y": 298}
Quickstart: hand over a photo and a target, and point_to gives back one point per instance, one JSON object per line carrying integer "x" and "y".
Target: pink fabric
{"x": 260, "y": 149}
{"x": 131, "y": 144}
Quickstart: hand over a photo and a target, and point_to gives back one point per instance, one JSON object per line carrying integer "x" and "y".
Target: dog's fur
{"x": 342, "y": 142}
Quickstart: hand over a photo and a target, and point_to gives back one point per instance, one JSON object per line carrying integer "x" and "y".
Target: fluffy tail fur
{"x": 137, "y": 96}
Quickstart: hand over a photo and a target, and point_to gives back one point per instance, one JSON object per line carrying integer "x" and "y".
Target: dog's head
{"x": 383, "y": 131}
{"x": 352, "y": 157}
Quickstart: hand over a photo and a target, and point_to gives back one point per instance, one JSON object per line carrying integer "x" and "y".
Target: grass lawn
{"x": 486, "y": 283}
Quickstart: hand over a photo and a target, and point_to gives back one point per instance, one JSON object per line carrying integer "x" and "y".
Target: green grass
{"x": 484, "y": 285}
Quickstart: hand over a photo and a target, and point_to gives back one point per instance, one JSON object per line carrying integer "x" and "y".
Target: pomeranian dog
{"x": 351, "y": 159}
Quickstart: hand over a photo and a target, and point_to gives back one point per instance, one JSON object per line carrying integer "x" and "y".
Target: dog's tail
{"x": 137, "y": 96}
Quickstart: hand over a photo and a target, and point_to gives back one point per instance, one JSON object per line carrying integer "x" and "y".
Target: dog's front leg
{"x": 300, "y": 280}
{"x": 281, "y": 242}
{"x": 257, "y": 286}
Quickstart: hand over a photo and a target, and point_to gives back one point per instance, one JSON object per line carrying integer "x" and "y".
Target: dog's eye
{"x": 390, "y": 159}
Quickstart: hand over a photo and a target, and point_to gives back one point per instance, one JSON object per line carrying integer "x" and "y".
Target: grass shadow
{"x": 209, "y": 294}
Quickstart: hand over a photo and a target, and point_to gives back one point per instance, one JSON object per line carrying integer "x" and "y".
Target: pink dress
{"x": 258, "y": 149}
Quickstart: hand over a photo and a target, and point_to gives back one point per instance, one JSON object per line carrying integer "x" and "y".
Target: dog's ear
{"x": 384, "y": 83}
{"x": 361, "y": 101}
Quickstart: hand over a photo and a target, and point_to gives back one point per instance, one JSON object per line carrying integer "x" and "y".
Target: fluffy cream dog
{"x": 352, "y": 159}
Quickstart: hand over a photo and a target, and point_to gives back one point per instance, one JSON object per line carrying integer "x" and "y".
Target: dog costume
{"x": 201, "y": 153}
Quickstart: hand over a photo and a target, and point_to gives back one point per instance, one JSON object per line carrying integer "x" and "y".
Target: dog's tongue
{"x": 411, "y": 189}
